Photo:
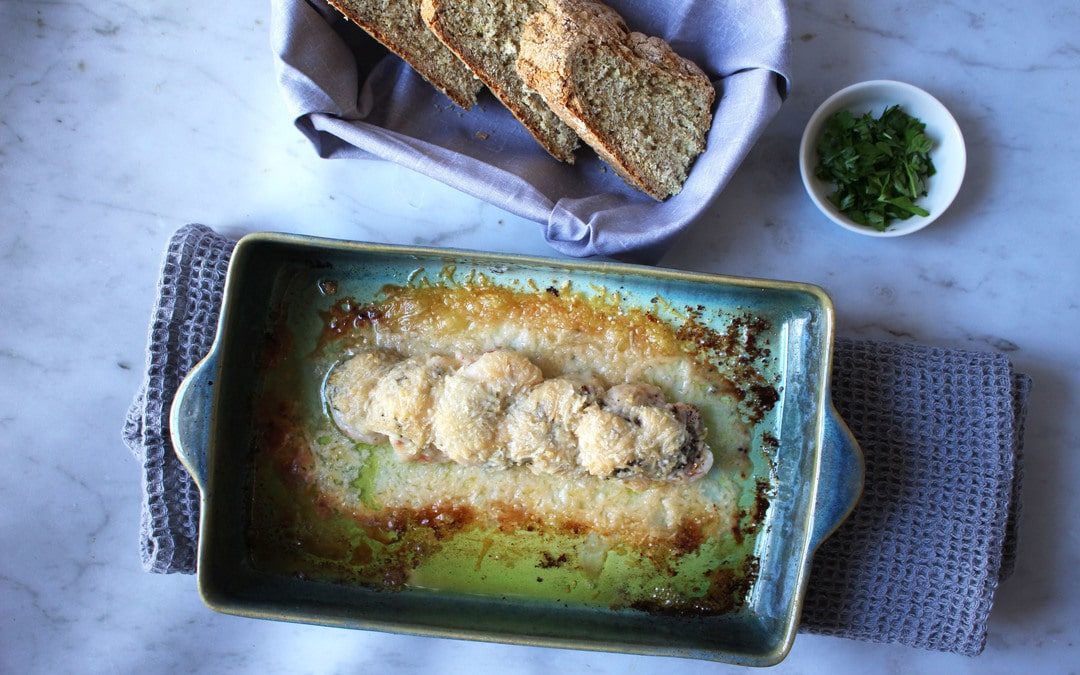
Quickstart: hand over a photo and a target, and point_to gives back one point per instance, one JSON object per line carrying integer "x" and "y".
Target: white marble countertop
{"x": 120, "y": 122}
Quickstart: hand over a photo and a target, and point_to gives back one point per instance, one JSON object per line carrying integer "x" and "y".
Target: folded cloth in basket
{"x": 352, "y": 100}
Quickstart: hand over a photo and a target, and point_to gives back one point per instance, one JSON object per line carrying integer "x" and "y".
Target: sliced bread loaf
{"x": 644, "y": 109}
{"x": 484, "y": 34}
{"x": 397, "y": 25}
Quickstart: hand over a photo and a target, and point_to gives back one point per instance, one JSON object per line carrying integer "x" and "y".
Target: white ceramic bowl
{"x": 948, "y": 154}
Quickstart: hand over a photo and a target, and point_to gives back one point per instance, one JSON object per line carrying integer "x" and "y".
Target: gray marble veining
{"x": 121, "y": 121}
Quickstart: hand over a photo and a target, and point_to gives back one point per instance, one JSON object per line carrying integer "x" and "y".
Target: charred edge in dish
{"x": 277, "y": 435}
{"x": 742, "y": 347}
{"x": 549, "y": 561}
{"x": 761, "y": 504}
{"x": 730, "y": 357}
{"x": 748, "y": 521}
{"x": 726, "y": 592}
{"x": 770, "y": 444}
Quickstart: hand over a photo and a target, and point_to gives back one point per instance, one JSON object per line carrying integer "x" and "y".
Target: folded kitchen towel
{"x": 916, "y": 563}
{"x": 354, "y": 100}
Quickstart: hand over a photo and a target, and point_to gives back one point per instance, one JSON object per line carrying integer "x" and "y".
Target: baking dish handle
{"x": 189, "y": 419}
{"x": 840, "y": 480}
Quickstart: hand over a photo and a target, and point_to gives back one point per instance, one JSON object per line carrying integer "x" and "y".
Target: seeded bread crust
{"x": 484, "y": 34}
{"x": 557, "y": 41}
{"x": 397, "y": 25}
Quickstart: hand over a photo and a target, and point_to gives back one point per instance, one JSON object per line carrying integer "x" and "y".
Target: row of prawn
{"x": 497, "y": 410}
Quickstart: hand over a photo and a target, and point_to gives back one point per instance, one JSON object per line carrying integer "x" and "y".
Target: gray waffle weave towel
{"x": 917, "y": 562}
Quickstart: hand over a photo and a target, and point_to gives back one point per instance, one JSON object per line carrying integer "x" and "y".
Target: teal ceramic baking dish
{"x": 815, "y": 475}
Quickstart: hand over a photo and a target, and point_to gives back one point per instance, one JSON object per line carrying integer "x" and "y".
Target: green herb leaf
{"x": 878, "y": 166}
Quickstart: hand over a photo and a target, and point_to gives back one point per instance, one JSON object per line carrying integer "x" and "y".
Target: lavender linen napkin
{"x": 353, "y": 100}
{"x": 916, "y": 563}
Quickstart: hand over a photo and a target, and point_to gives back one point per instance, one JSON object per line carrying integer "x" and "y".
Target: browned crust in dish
{"x": 431, "y": 60}
{"x": 289, "y": 451}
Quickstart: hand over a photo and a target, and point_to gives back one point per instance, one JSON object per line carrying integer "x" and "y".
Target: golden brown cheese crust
{"x": 349, "y": 389}
{"x": 468, "y": 417}
{"x": 498, "y": 411}
{"x": 541, "y": 426}
{"x": 400, "y": 404}
{"x": 635, "y": 432}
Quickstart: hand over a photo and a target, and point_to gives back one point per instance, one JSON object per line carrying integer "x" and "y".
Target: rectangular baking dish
{"x": 817, "y": 474}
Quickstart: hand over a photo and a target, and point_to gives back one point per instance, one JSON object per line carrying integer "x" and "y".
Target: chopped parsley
{"x": 879, "y": 166}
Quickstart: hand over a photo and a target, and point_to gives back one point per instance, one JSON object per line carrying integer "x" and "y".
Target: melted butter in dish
{"x": 471, "y": 434}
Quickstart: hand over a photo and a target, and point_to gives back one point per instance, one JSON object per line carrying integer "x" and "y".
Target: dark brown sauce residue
{"x": 761, "y": 503}
{"x": 547, "y": 560}
{"x": 770, "y": 444}
{"x": 737, "y": 530}
{"x": 741, "y": 347}
{"x": 688, "y": 538}
{"x": 287, "y": 450}
{"x": 766, "y": 395}
{"x": 726, "y": 592}
{"x": 750, "y": 520}
{"x": 441, "y": 519}
{"x": 410, "y": 535}
{"x": 405, "y": 538}
{"x": 685, "y": 608}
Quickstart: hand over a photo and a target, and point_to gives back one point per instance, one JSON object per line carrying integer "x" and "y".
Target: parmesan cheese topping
{"x": 432, "y": 408}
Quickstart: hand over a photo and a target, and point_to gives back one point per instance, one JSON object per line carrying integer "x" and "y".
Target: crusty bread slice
{"x": 397, "y": 25}
{"x": 484, "y": 34}
{"x": 644, "y": 109}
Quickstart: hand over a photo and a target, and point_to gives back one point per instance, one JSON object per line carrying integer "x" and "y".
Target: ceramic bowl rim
{"x": 807, "y": 162}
